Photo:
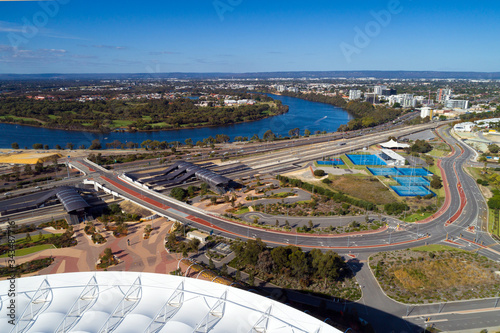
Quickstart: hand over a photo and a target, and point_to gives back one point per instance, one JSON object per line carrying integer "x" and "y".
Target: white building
{"x": 457, "y": 104}
{"x": 426, "y": 112}
{"x": 405, "y": 100}
{"x": 391, "y": 158}
{"x": 280, "y": 88}
{"x": 378, "y": 89}
{"x": 464, "y": 127}
{"x": 293, "y": 89}
{"x": 195, "y": 234}
{"x": 354, "y": 94}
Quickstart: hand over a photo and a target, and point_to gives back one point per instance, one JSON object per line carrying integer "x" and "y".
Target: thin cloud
{"x": 112, "y": 47}
{"x": 162, "y": 52}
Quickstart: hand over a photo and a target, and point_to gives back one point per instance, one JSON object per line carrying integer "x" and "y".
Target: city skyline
{"x": 243, "y": 36}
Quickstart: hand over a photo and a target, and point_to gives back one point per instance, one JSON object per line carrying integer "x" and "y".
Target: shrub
{"x": 319, "y": 173}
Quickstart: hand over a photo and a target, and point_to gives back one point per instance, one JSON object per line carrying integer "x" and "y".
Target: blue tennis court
{"x": 365, "y": 159}
{"x": 411, "y": 191}
{"x": 414, "y": 172}
{"x": 384, "y": 171}
{"x": 412, "y": 181}
{"x": 334, "y": 161}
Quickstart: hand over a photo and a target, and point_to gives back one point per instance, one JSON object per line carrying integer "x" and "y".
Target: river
{"x": 302, "y": 114}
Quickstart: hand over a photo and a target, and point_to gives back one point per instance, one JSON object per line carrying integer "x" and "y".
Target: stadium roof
{"x": 144, "y": 302}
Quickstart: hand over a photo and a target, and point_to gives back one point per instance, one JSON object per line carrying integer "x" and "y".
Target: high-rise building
{"x": 388, "y": 92}
{"x": 372, "y": 98}
{"x": 443, "y": 95}
{"x": 457, "y": 104}
{"x": 378, "y": 89}
{"x": 280, "y": 88}
{"x": 354, "y": 94}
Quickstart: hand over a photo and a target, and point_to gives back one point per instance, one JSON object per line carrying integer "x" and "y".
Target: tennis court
{"x": 384, "y": 171}
{"x": 411, "y": 191}
{"x": 332, "y": 162}
{"x": 365, "y": 159}
{"x": 414, "y": 172}
{"x": 412, "y": 181}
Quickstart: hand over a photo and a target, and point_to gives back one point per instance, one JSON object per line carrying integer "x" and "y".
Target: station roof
{"x": 145, "y": 302}
{"x": 71, "y": 199}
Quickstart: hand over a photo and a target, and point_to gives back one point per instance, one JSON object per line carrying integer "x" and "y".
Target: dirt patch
{"x": 132, "y": 208}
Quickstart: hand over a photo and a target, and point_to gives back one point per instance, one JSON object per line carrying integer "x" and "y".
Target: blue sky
{"x": 73, "y": 36}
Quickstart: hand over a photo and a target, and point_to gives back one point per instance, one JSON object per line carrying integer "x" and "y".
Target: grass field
{"x": 30, "y": 250}
{"x": 122, "y": 123}
{"x": 494, "y": 230}
{"x": 435, "y": 248}
{"x": 22, "y": 118}
{"x": 417, "y": 217}
{"x": 363, "y": 187}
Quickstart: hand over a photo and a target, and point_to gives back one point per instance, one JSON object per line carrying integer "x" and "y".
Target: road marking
{"x": 452, "y": 312}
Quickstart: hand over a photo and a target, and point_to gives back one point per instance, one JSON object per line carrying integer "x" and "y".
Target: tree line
{"x": 129, "y": 115}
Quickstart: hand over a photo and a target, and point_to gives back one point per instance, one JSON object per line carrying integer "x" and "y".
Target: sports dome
{"x": 144, "y": 302}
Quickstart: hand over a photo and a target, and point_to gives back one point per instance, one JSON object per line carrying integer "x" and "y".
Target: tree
{"x": 28, "y": 170}
{"x": 58, "y": 147}
{"x": 178, "y": 193}
{"x": 70, "y": 146}
{"x": 310, "y": 224}
{"x": 265, "y": 262}
{"x": 46, "y": 147}
{"x": 211, "y": 264}
{"x": 421, "y": 146}
{"x": 307, "y": 132}
{"x": 28, "y": 237}
{"x": 15, "y": 145}
{"x": 237, "y": 275}
{"x": 39, "y": 167}
{"x": 251, "y": 279}
{"x": 436, "y": 182}
{"x": 96, "y": 145}
{"x": 295, "y": 132}
{"x": 298, "y": 263}
{"x": 319, "y": 173}
{"x": 269, "y": 136}
{"x": 37, "y": 146}
{"x": 189, "y": 142}
{"x": 223, "y": 269}
{"x": 493, "y": 148}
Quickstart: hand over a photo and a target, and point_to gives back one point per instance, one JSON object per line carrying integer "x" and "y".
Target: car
{"x": 7, "y": 193}
{"x": 37, "y": 187}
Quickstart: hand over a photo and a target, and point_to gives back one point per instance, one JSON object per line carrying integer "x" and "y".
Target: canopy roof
{"x": 391, "y": 144}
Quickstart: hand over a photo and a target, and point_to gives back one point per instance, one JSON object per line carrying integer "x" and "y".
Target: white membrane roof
{"x": 144, "y": 302}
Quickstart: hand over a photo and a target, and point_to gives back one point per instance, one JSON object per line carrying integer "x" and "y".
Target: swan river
{"x": 302, "y": 114}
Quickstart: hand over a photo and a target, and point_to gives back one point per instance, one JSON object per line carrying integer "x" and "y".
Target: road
{"x": 464, "y": 207}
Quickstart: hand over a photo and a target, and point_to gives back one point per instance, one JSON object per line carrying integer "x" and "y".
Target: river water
{"x": 302, "y": 114}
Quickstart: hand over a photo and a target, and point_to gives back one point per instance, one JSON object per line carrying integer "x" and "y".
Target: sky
{"x": 74, "y": 36}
